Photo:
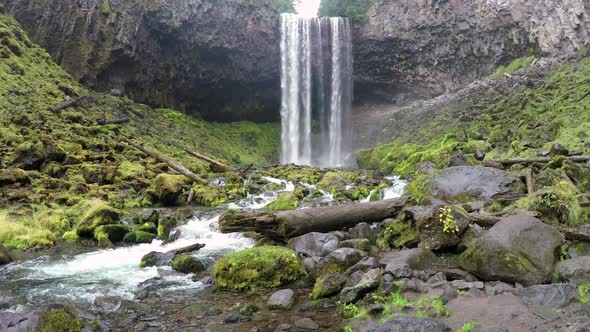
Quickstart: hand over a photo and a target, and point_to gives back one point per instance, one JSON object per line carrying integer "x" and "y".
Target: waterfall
{"x": 316, "y": 90}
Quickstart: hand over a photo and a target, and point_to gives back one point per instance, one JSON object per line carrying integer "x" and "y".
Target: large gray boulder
{"x": 282, "y": 299}
{"x": 575, "y": 270}
{"x": 339, "y": 261}
{"x": 401, "y": 263}
{"x": 407, "y": 324}
{"x": 369, "y": 281}
{"x": 481, "y": 183}
{"x": 556, "y": 296}
{"x": 430, "y": 230}
{"x": 519, "y": 248}
{"x": 314, "y": 244}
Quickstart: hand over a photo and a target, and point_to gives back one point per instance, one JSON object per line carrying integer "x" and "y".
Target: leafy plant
{"x": 467, "y": 327}
{"x": 445, "y": 217}
{"x": 583, "y": 292}
{"x": 352, "y": 310}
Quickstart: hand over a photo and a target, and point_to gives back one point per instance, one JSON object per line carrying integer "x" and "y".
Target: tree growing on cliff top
{"x": 354, "y": 9}
{"x": 285, "y": 6}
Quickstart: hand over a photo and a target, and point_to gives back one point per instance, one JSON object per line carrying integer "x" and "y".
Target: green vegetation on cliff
{"x": 521, "y": 125}
{"x": 53, "y": 164}
{"x": 355, "y": 9}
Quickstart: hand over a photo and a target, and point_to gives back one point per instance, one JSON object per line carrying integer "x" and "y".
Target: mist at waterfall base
{"x": 316, "y": 91}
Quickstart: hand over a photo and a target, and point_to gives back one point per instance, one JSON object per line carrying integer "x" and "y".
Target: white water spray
{"x": 316, "y": 89}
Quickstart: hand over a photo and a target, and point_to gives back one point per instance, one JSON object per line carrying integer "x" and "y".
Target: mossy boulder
{"x": 165, "y": 225}
{"x": 138, "y": 237}
{"x": 558, "y": 204}
{"x": 328, "y": 285}
{"x": 187, "y": 264}
{"x": 519, "y": 248}
{"x": 4, "y": 256}
{"x": 115, "y": 233}
{"x": 98, "y": 174}
{"x": 431, "y": 231}
{"x": 260, "y": 267}
{"x": 286, "y": 201}
{"x": 98, "y": 213}
{"x": 59, "y": 318}
{"x": 155, "y": 258}
{"x": 70, "y": 236}
{"x": 336, "y": 181}
{"x": 30, "y": 155}
{"x": 13, "y": 175}
{"x": 398, "y": 234}
{"x": 149, "y": 227}
{"x": 168, "y": 187}
{"x": 339, "y": 261}
{"x": 130, "y": 171}
{"x": 210, "y": 196}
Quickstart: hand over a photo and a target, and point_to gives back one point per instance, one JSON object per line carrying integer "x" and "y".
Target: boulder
{"x": 408, "y": 324}
{"x": 98, "y": 213}
{"x": 368, "y": 282}
{"x": 430, "y": 229}
{"x": 139, "y": 237}
{"x": 400, "y": 262}
{"x": 155, "y": 258}
{"x": 282, "y": 299}
{"x": 114, "y": 233}
{"x": 363, "y": 265}
{"x": 575, "y": 270}
{"x": 314, "y": 244}
{"x": 328, "y": 285}
{"x": 339, "y": 261}
{"x": 4, "y": 256}
{"x": 362, "y": 231}
{"x": 168, "y": 187}
{"x": 519, "y": 249}
{"x": 555, "y": 295}
{"x": 472, "y": 233}
{"x": 14, "y": 175}
{"x": 399, "y": 233}
{"x": 187, "y": 264}
{"x": 360, "y": 244}
{"x": 578, "y": 248}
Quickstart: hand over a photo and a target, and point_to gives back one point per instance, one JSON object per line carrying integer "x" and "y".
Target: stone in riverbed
{"x": 282, "y": 299}
{"x": 314, "y": 244}
{"x": 407, "y": 324}
{"x": 362, "y": 231}
{"x": 401, "y": 263}
{"x": 339, "y": 261}
{"x": 575, "y": 270}
{"x": 155, "y": 258}
{"x": 360, "y": 244}
{"x": 138, "y": 237}
{"x": 327, "y": 285}
{"x": 555, "y": 295}
{"x": 187, "y": 264}
{"x": 4, "y": 256}
{"x": 519, "y": 248}
{"x": 430, "y": 229}
{"x": 306, "y": 324}
{"x": 363, "y": 265}
{"x": 368, "y": 282}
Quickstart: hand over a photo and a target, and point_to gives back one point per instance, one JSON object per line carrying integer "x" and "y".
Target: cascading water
{"x": 316, "y": 87}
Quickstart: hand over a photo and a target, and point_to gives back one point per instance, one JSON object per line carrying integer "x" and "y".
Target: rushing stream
{"x": 85, "y": 278}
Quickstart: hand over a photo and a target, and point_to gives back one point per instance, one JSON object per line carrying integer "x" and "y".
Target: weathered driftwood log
{"x": 284, "y": 225}
{"x": 174, "y": 165}
{"x": 69, "y": 103}
{"x": 187, "y": 249}
{"x": 105, "y": 122}
{"x": 542, "y": 160}
{"x": 211, "y": 161}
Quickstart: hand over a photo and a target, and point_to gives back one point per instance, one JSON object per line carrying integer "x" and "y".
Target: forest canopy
{"x": 355, "y": 9}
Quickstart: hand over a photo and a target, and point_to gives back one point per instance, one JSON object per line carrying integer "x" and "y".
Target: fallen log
{"x": 174, "y": 165}
{"x": 187, "y": 249}
{"x": 542, "y": 160}
{"x": 484, "y": 220}
{"x": 105, "y": 122}
{"x": 212, "y": 161}
{"x": 284, "y": 225}
{"x": 67, "y": 104}
{"x": 530, "y": 181}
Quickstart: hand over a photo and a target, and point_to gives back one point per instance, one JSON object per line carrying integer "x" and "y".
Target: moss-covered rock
{"x": 327, "y": 285}
{"x": 149, "y": 227}
{"x": 260, "y": 267}
{"x": 115, "y": 233}
{"x": 129, "y": 171}
{"x": 4, "y": 256}
{"x": 138, "y": 237}
{"x": 558, "y": 204}
{"x": 155, "y": 258}
{"x": 398, "y": 234}
{"x": 286, "y": 201}
{"x": 98, "y": 174}
{"x": 13, "y": 175}
{"x": 187, "y": 264}
{"x": 210, "y": 196}
{"x": 165, "y": 225}
{"x": 70, "y": 236}
{"x": 59, "y": 318}
{"x": 98, "y": 213}
{"x": 168, "y": 187}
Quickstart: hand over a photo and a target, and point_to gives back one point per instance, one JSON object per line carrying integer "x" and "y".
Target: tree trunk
{"x": 211, "y": 161}
{"x": 508, "y": 162}
{"x": 175, "y": 166}
{"x": 284, "y": 225}
{"x": 67, "y": 104}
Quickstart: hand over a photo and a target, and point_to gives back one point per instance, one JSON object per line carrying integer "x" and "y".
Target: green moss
{"x": 71, "y": 236}
{"x": 311, "y": 175}
{"x": 138, "y": 237}
{"x": 114, "y": 233}
{"x": 399, "y": 234}
{"x": 558, "y": 204}
{"x": 168, "y": 187}
{"x": 98, "y": 213}
{"x": 60, "y": 320}
{"x": 129, "y": 171}
{"x": 260, "y": 267}
{"x": 187, "y": 264}
{"x": 164, "y": 228}
{"x": 149, "y": 227}
{"x": 286, "y": 201}
{"x": 105, "y": 9}
{"x": 514, "y": 66}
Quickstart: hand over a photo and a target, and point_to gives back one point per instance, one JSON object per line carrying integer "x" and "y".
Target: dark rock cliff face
{"x": 416, "y": 49}
{"x": 216, "y": 58}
